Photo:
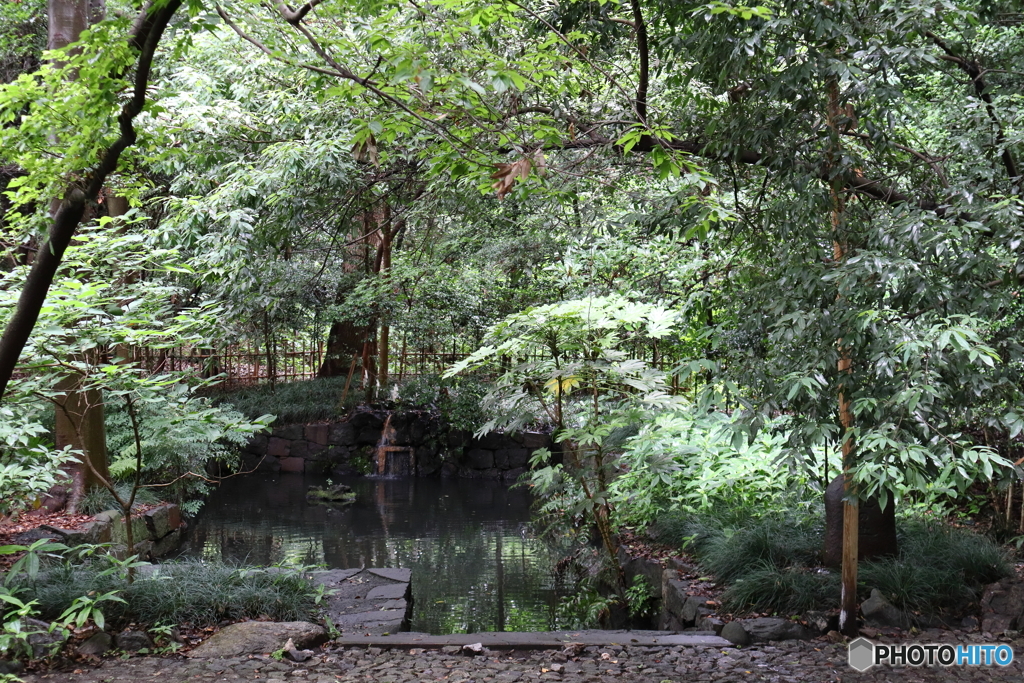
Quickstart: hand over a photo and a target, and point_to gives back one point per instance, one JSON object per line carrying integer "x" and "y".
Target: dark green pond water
{"x": 475, "y": 565}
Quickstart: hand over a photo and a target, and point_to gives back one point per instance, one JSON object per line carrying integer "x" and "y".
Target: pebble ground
{"x": 804, "y": 661}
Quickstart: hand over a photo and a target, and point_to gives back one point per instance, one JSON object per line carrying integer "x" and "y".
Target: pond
{"x": 476, "y": 566}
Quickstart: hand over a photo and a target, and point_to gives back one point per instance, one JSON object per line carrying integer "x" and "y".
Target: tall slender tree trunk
{"x": 851, "y": 516}
{"x": 384, "y": 355}
{"x": 80, "y": 416}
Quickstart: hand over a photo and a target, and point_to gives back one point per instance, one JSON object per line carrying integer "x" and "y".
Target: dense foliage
{"x": 712, "y": 245}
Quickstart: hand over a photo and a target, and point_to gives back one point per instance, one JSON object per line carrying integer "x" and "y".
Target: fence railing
{"x": 290, "y": 361}
{"x": 240, "y": 365}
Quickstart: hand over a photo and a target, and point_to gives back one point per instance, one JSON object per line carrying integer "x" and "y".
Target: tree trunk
{"x": 67, "y": 20}
{"x": 851, "y": 516}
{"x": 80, "y": 424}
{"x": 79, "y": 419}
{"x": 344, "y": 340}
{"x": 385, "y": 330}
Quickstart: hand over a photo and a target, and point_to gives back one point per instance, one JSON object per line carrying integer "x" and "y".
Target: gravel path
{"x": 803, "y": 661}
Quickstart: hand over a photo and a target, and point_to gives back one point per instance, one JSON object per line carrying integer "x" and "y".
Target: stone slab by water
{"x": 393, "y": 574}
{"x": 367, "y": 602}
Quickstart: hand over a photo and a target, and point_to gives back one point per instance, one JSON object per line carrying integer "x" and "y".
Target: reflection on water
{"x": 475, "y": 565}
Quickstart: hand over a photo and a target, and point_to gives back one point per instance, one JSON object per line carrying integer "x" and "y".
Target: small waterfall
{"x": 386, "y": 435}
{"x": 393, "y": 460}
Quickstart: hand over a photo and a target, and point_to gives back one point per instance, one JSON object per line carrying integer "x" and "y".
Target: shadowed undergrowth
{"x": 185, "y": 592}
{"x": 774, "y": 563}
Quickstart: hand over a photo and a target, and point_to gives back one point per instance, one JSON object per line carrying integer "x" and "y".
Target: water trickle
{"x": 393, "y": 460}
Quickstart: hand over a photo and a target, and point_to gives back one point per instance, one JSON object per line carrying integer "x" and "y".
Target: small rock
{"x": 12, "y": 667}
{"x": 735, "y": 633}
{"x": 295, "y": 654}
{"x": 132, "y": 641}
{"x": 880, "y": 612}
{"x": 96, "y": 644}
{"x": 473, "y": 649}
{"x": 44, "y": 642}
{"x": 557, "y": 668}
{"x": 821, "y": 621}
{"x": 774, "y": 628}
{"x": 713, "y": 624}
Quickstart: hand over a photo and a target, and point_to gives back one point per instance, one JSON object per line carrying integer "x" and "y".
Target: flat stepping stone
{"x": 395, "y": 591}
{"x": 367, "y": 601}
{"x": 362, "y": 620}
{"x": 400, "y": 575}
{"x": 334, "y": 576}
{"x": 259, "y": 637}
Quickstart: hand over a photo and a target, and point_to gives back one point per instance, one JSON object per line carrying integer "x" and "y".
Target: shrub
{"x": 693, "y": 460}
{"x": 786, "y": 590}
{"x": 186, "y": 592}
{"x": 772, "y": 563}
{"x": 457, "y": 399}
{"x": 98, "y": 499}
{"x": 778, "y": 541}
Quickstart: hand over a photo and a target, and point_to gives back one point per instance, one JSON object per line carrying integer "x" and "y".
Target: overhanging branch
{"x": 144, "y": 37}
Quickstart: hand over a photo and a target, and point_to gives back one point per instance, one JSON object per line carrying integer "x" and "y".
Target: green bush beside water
{"x": 773, "y": 563}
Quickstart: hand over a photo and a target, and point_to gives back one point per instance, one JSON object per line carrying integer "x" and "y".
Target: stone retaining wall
{"x": 156, "y": 533}
{"x": 418, "y": 445}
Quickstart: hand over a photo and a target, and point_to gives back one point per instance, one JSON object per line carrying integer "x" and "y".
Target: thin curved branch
{"x": 977, "y": 75}
{"x": 145, "y": 36}
{"x": 293, "y": 17}
{"x": 645, "y": 68}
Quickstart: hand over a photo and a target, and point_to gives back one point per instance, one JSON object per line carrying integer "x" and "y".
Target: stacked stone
{"x": 350, "y": 447}
{"x": 156, "y": 533}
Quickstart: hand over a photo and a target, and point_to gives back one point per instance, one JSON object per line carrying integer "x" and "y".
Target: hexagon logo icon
{"x": 862, "y": 654}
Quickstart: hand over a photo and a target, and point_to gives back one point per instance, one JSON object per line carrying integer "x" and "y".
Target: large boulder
{"x": 259, "y": 637}
{"x": 876, "y": 536}
{"x": 342, "y": 434}
{"x": 480, "y": 459}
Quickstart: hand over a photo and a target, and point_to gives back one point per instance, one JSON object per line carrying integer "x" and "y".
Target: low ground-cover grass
{"x": 773, "y": 563}
{"x": 312, "y": 400}
{"x": 185, "y": 592}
